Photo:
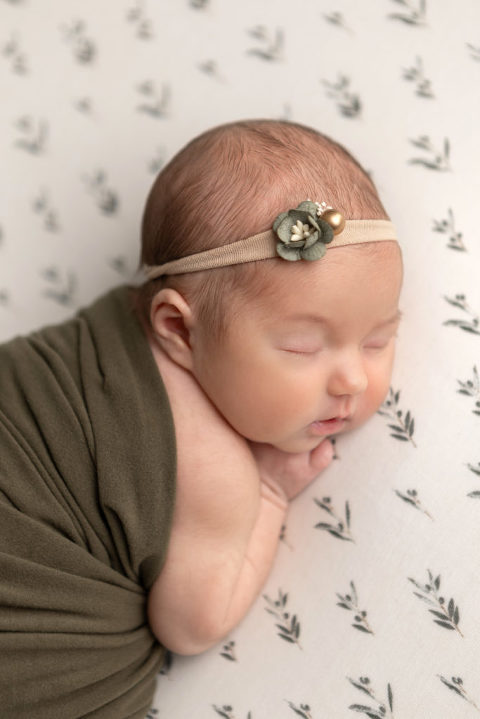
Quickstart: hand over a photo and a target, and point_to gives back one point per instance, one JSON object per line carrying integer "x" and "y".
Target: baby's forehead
{"x": 346, "y": 276}
{"x": 374, "y": 257}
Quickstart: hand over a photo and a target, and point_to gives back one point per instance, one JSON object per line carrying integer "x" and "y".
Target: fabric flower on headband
{"x": 303, "y": 234}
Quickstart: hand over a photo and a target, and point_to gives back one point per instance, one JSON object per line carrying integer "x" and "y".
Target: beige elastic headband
{"x": 300, "y": 234}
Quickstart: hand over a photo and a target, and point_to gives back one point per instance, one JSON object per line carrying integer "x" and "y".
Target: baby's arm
{"x": 232, "y": 498}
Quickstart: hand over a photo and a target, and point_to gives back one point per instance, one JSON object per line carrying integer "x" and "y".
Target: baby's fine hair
{"x": 231, "y": 182}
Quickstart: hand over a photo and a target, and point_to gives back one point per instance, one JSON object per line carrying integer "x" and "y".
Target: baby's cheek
{"x": 378, "y": 388}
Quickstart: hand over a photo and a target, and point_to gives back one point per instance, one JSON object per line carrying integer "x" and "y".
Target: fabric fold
{"x": 87, "y": 486}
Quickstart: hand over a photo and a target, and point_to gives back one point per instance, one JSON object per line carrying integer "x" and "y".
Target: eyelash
{"x": 381, "y": 346}
{"x": 378, "y": 347}
{"x": 301, "y": 352}
{"x": 313, "y": 352}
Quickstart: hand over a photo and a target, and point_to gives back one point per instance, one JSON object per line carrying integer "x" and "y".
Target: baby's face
{"x": 312, "y": 356}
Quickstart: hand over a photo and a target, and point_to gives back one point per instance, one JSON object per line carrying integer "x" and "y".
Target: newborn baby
{"x": 150, "y": 445}
{"x": 266, "y": 347}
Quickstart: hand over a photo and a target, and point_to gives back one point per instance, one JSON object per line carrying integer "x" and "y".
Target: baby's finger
{"x": 321, "y": 456}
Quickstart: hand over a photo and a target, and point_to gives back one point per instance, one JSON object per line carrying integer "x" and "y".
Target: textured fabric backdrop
{"x": 372, "y": 605}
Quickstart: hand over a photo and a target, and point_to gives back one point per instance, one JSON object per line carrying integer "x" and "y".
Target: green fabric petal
{"x": 314, "y": 237}
{"x": 313, "y": 222}
{"x": 326, "y": 231}
{"x": 296, "y": 215}
{"x": 308, "y": 206}
{"x": 288, "y": 253}
{"x": 315, "y": 252}
{"x": 284, "y": 228}
{"x": 279, "y": 219}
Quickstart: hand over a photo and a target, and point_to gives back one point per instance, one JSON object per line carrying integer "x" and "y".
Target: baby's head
{"x": 281, "y": 348}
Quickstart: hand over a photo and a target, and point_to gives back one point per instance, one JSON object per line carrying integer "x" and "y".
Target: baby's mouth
{"x": 328, "y": 426}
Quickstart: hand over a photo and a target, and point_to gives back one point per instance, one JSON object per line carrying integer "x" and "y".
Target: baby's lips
{"x": 327, "y": 426}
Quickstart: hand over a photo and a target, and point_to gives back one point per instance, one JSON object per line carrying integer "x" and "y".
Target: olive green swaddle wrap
{"x": 87, "y": 481}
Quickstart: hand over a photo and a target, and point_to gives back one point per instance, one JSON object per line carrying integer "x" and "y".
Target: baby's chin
{"x": 298, "y": 445}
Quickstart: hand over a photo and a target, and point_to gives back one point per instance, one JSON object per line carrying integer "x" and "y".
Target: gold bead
{"x": 335, "y": 219}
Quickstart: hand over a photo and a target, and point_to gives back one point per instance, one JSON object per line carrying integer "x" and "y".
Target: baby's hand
{"x": 287, "y": 474}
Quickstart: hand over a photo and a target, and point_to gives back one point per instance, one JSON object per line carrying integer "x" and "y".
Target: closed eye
{"x": 306, "y": 352}
{"x": 376, "y": 346}
{"x": 379, "y": 344}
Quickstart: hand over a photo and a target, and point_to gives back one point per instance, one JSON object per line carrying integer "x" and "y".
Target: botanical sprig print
{"x": 18, "y": 60}
{"x": 416, "y": 74}
{"x": 474, "y": 51}
{"x": 226, "y": 711}
{"x": 283, "y": 537}
{"x": 210, "y": 67}
{"x": 143, "y": 26}
{"x": 447, "y": 614}
{"x": 228, "y": 651}
{"x": 34, "y": 134}
{"x": 119, "y": 264}
{"x": 475, "y": 470}
{"x": 373, "y": 712}
{"x": 336, "y": 18}
{"x": 83, "y": 47}
{"x": 404, "y": 425}
{"x": 333, "y": 440}
{"x": 156, "y": 104}
{"x": 471, "y": 387}
{"x": 84, "y": 105}
{"x": 416, "y": 14}
{"x": 302, "y": 711}
{"x": 272, "y": 43}
{"x": 472, "y": 325}
{"x": 106, "y": 199}
{"x": 341, "y": 529}
{"x": 456, "y": 685}
{"x": 42, "y": 206}
{"x": 350, "y": 601}
{"x": 472, "y": 468}
{"x": 411, "y": 497}
{"x": 288, "y": 625}
{"x": 167, "y": 663}
{"x": 60, "y": 289}
{"x": 447, "y": 227}
{"x": 348, "y": 103}
{"x": 439, "y": 160}
{"x": 157, "y": 161}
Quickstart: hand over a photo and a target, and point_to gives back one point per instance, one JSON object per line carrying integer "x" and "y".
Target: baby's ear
{"x": 171, "y": 320}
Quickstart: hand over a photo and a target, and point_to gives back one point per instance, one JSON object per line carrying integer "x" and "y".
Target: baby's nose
{"x": 348, "y": 376}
